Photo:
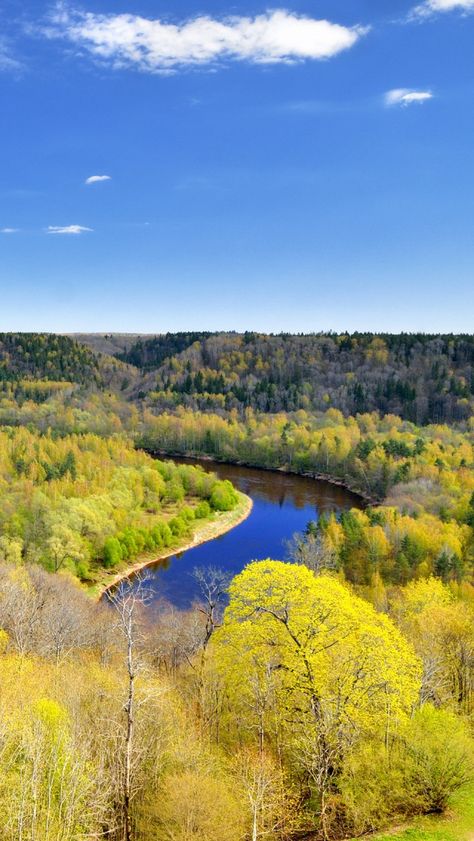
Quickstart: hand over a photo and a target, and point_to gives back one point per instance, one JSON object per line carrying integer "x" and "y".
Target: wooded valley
{"x": 322, "y": 695}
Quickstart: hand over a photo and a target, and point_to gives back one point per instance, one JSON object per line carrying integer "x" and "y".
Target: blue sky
{"x": 265, "y": 170}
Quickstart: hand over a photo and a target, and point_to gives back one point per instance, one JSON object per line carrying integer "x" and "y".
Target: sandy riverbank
{"x": 221, "y": 523}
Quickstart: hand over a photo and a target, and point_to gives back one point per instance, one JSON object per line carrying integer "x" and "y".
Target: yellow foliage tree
{"x": 303, "y": 650}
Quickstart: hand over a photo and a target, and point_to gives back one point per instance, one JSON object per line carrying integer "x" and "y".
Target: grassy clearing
{"x": 457, "y": 825}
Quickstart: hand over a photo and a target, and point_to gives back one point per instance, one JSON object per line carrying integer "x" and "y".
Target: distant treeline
{"x": 147, "y": 354}
{"x": 419, "y": 377}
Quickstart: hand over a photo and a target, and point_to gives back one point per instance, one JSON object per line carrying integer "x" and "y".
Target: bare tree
{"x": 213, "y": 585}
{"x": 268, "y": 795}
{"x": 174, "y": 637}
{"x": 128, "y": 601}
{"x": 20, "y": 609}
{"x": 46, "y": 614}
{"x": 311, "y": 550}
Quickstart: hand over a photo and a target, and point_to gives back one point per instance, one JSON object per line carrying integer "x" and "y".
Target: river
{"x": 283, "y": 505}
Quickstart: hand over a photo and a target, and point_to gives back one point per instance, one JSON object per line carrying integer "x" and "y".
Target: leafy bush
{"x": 112, "y": 552}
{"x": 179, "y": 527}
{"x": 203, "y": 510}
{"x": 224, "y": 496}
{"x": 439, "y": 758}
{"x": 419, "y": 774}
{"x": 187, "y": 513}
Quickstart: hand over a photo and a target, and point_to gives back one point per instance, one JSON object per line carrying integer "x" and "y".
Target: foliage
{"x": 424, "y": 474}
{"x": 438, "y": 758}
{"x": 423, "y": 378}
{"x": 303, "y": 651}
{"x": 301, "y": 717}
{"x": 286, "y": 620}
{"x": 37, "y": 356}
{"x": 151, "y": 353}
{"x": 337, "y": 697}
{"x": 430, "y": 759}
{"x": 76, "y": 501}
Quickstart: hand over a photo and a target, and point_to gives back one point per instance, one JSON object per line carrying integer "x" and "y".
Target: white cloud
{"x": 67, "y": 229}
{"x": 406, "y": 96}
{"x": 156, "y": 46}
{"x": 9, "y": 230}
{"x": 94, "y": 179}
{"x": 432, "y": 7}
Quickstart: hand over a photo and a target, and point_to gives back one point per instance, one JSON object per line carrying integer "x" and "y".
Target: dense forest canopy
{"x": 150, "y": 353}
{"x": 46, "y": 356}
{"x": 423, "y": 475}
{"x": 423, "y": 378}
{"x": 38, "y": 365}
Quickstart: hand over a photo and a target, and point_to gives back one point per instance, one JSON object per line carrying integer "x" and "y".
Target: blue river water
{"x": 282, "y": 505}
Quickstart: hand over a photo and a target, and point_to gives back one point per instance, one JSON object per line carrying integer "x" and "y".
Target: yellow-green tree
{"x": 305, "y": 652}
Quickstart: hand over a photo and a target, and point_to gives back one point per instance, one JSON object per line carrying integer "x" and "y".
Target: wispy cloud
{"x": 154, "y": 46}
{"x": 94, "y": 179}
{"x": 9, "y": 230}
{"x": 68, "y": 229}
{"x": 407, "y": 96}
{"x": 433, "y": 7}
{"x": 8, "y": 62}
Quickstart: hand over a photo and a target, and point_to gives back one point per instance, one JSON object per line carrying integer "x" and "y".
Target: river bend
{"x": 283, "y": 504}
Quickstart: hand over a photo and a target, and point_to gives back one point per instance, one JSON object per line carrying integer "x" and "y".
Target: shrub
{"x": 174, "y": 492}
{"x": 439, "y": 758}
{"x": 156, "y": 533}
{"x": 166, "y": 534}
{"x": 203, "y": 510}
{"x": 419, "y": 774}
{"x": 372, "y": 787}
{"x": 223, "y": 496}
{"x": 128, "y": 545}
{"x": 187, "y": 513}
{"x": 197, "y": 807}
{"x": 178, "y": 526}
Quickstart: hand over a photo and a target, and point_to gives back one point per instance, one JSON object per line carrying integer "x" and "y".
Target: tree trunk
{"x": 129, "y": 741}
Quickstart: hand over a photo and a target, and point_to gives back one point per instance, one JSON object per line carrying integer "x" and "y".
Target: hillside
{"x": 48, "y": 357}
{"x": 111, "y": 344}
{"x": 422, "y": 378}
{"x": 419, "y": 377}
{"x": 39, "y": 365}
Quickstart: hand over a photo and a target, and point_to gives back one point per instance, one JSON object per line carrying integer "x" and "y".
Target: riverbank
{"x": 220, "y": 523}
{"x": 319, "y": 477}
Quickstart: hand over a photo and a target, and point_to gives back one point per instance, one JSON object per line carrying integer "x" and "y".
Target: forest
{"x": 81, "y": 503}
{"x": 419, "y": 377}
{"x": 422, "y": 475}
{"x": 309, "y": 712}
{"x": 315, "y": 697}
{"x": 422, "y": 378}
